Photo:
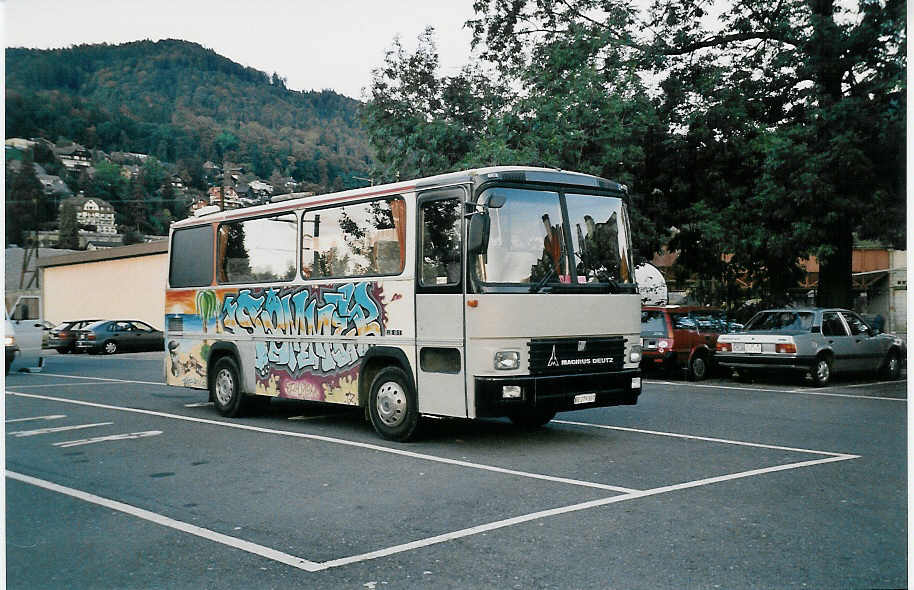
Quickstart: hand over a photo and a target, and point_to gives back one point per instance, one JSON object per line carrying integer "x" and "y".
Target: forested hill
{"x": 179, "y": 101}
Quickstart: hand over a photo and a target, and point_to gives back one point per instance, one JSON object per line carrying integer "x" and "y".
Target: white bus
{"x": 504, "y": 291}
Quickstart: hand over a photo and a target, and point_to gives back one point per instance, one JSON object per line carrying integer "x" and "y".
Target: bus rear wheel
{"x": 225, "y": 388}
{"x": 392, "y": 405}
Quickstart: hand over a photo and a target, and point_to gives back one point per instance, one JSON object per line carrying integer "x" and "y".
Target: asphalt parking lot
{"x": 114, "y": 480}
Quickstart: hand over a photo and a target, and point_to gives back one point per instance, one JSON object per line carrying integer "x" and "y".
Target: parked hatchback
{"x": 62, "y": 337}
{"x": 820, "y": 342}
{"x": 111, "y": 336}
{"x": 680, "y": 338}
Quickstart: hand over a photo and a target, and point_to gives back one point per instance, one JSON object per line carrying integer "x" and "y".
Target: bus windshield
{"x": 533, "y": 244}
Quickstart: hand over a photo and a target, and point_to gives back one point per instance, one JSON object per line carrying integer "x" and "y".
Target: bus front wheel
{"x": 392, "y": 405}
{"x": 225, "y": 388}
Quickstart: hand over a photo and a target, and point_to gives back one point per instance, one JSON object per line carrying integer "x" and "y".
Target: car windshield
{"x": 529, "y": 240}
{"x": 653, "y": 324}
{"x": 781, "y": 320}
{"x": 95, "y": 325}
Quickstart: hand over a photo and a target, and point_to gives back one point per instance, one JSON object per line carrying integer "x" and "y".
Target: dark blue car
{"x": 111, "y": 336}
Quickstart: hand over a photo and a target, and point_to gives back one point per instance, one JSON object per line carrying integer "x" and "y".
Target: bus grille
{"x": 556, "y": 356}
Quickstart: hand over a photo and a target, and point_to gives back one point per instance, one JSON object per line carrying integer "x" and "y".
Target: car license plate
{"x": 585, "y": 398}
{"x": 753, "y": 347}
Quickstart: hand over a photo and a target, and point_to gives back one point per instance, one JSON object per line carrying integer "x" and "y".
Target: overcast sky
{"x": 313, "y": 44}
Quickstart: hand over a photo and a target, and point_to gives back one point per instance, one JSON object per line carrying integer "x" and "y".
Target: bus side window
{"x": 440, "y": 255}
{"x": 192, "y": 257}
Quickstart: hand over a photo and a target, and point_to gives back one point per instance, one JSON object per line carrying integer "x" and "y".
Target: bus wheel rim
{"x": 225, "y": 387}
{"x": 391, "y": 403}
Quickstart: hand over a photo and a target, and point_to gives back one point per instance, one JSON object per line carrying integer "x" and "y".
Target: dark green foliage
{"x": 27, "y": 208}
{"x": 179, "y": 101}
{"x": 68, "y": 234}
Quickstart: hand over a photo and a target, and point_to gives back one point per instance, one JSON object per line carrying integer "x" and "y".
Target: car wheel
{"x": 109, "y": 347}
{"x": 63, "y": 350}
{"x": 531, "y": 418}
{"x": 891, "y": 369}
{"x": 698, "y": 367}
{"x": 225, "y": 388}
{"x": 821, "y": 371}
{"x": 392, "y": 405}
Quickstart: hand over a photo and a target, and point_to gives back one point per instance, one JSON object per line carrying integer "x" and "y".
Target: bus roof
{"x": 475, "y": 176}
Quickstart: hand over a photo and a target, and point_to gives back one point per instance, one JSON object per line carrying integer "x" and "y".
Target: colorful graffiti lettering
{"x": 345, "y": 310}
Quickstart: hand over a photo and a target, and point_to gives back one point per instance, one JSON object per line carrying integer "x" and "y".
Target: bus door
{"x": 440, "y": 349}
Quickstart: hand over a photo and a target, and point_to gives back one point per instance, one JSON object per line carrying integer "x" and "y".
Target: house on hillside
{"x": 74, "y": 156}
{"x": 94, "y": 211}
{"x": 229, "y": 200}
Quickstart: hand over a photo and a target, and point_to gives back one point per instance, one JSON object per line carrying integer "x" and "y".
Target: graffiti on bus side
{"x": 311, "y": 370}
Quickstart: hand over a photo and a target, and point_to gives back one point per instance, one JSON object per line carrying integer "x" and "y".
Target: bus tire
{"x": 225, "y": 388}
{"x": 392, "y": 405}
{"x": 532, "y": 418}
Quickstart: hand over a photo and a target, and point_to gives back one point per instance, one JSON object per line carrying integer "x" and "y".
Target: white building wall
{"x": 123, "y": 288}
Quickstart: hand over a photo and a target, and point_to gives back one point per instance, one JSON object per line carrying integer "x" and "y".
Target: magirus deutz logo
{"x": 555, "y": 361}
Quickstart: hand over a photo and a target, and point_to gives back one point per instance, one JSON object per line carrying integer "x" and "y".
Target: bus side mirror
{"x": 478, "y": 233}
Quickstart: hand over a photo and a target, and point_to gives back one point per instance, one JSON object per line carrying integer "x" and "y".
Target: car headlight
{"x": 9, "y": 340}
{"x": 507, "y": 360}
{"x": 634, "y": 355}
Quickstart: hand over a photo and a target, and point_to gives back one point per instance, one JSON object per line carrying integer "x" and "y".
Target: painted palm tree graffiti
{"x": 207, "y": 306}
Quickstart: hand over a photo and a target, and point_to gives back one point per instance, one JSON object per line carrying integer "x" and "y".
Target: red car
{"x": 680, "y": 338}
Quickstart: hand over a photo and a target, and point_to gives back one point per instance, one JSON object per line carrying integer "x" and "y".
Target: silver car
{"x": 818, "y": 341}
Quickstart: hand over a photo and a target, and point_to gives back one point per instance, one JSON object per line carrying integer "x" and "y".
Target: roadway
{"x": 114, "y": 480}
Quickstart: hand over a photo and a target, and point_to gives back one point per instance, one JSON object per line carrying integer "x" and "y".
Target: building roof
{"x": 131, "y": 251}
{"x": 80, "y": 202}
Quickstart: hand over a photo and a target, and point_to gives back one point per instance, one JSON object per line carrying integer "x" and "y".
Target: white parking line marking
{"x": 102, "y": 379}
{"x": 199, "y": 405}
{"x": 339, "y": 441}
{"x": 865, "y": 384}
{"x": 64, "y": 384}
{"x": 296, "y": 562}
{"x": 706, "y": 439}
{"x": 318, "y": 417}
{"x": 23, "y": 433}
{"x": 98, "y": 439}
{"x": 54, "y": 417}
{"x": 572, "y": 508}
{"x": 794, "y": 391}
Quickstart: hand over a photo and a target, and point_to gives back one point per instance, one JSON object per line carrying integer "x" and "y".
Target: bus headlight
{"x": 634, "y": 355}
{"x": 507, "y": 360}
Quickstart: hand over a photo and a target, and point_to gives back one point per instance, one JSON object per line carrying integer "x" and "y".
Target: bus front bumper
{"x": 558, "y": 392}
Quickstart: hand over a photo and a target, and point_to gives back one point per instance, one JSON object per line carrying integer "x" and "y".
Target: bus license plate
{"x": 585, "y": 398}
{"x": 753, "y": 347}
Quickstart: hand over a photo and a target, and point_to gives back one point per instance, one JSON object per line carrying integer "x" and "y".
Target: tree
{"x": 68, "y": 233}
{"x": 26, "y": 204}
{"x": 803, "y": 96}
{"x": 830, "y": 82}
